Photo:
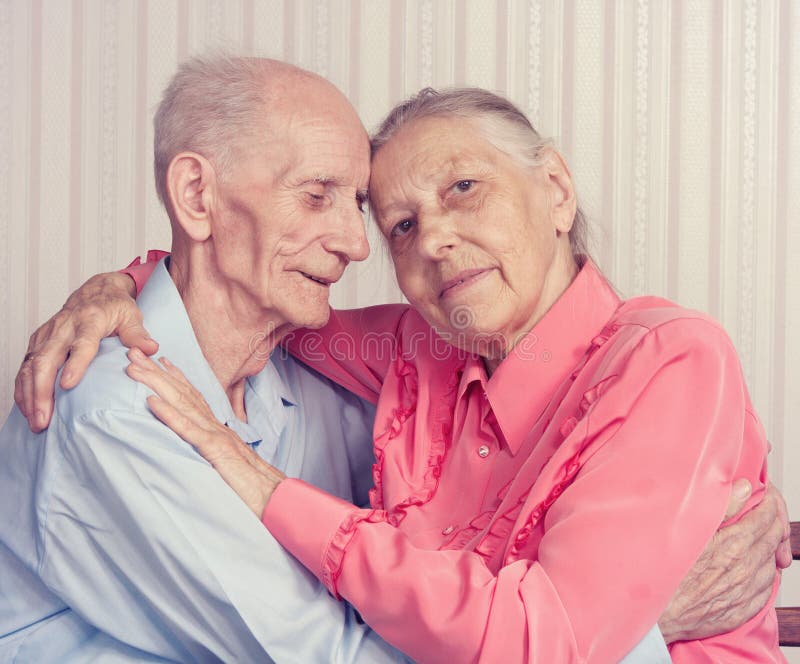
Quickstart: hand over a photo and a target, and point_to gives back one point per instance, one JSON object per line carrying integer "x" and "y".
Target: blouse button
{"x": 447, "y": 530}
{"x": 483, "y": 451}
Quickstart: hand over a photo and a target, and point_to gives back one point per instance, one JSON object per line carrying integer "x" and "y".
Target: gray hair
{"x": 501, "y": 123}
{"x": 214, "y": 105}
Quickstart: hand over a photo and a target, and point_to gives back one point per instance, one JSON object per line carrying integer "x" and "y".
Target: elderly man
{"x": 119, "y": 543}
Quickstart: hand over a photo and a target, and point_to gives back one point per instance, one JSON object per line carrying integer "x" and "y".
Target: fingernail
{"x": 67, "y": 376}
{"x": 742, "y": 490}
{"x": 41, "y": 420}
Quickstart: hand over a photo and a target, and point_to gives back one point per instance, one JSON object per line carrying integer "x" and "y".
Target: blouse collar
{"x": 522, "y": 385}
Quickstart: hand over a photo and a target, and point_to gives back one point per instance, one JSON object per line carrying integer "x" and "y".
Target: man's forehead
{"x": 335, "y": 160}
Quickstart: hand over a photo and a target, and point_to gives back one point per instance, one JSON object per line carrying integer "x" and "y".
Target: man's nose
{"x": 350, "y": 237}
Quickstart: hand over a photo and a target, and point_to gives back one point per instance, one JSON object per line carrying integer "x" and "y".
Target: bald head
{"x": 219, "y": 106}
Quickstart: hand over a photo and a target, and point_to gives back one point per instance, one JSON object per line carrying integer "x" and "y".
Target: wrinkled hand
{"x": 732, "y": 580}
{"x": 102, "y": 307}
{"x": 184, "y": 410}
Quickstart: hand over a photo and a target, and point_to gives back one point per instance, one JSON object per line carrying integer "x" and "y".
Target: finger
{"x": 179, "y": 423}
{"x": 20, "y": 380}
{"x": 147, "y": 372}
{"x": 222, "y": 448}
{"x": 782, "y": 509}
{"x": 45, "y": 370}
{"x": 23, "y": 393}
{"x": 173, "y": 388}
{"x": 82, "y": 352}
{"x": 776, "y": 542}
{"x": 45, "y": 345}
{"x": 133, "y": 335}
{"x": 739, "y": 495}
{"x": 783, "y": 555}
{"x": 783, "y": 552}
{"x": 754, "y": 525}
{"x": 763, "y": 582}
{"x": 175, "y": 371}
{"x": 83, "y": 345}
{"x": 194, "y": 398}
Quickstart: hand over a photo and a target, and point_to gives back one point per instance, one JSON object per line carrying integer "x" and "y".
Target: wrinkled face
{"x": 289, "y": 215}
{"x": 479, "y": 243}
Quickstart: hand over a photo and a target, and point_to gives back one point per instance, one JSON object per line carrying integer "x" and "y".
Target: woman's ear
{"x": 561, "y": 191}
{"x": 190, "y": 182}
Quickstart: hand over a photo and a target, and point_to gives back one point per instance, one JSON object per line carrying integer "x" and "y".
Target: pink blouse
{"x": 547, "y": 513}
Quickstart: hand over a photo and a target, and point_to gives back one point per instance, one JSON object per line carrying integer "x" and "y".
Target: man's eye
{"x": 313, "y": 199}
{"x": 402, "y": 227}
{"x": 464, "y": 185}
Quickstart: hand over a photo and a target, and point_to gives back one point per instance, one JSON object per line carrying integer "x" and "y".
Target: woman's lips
{"x": 462, "y": 280}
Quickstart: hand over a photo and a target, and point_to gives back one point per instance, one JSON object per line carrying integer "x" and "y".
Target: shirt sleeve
{"x": 659, "y": 451}
{"x": 650, "y": 650}
{"x": 140, "y": 272}
{"x": 355, "y": 348}
{"x": 147, "y": 543}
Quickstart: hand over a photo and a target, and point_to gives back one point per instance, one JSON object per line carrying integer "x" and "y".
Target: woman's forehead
{"x": 432, "y": 146}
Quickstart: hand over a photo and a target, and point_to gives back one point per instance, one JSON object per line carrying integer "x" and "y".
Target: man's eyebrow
{"x": 335, "y": 182}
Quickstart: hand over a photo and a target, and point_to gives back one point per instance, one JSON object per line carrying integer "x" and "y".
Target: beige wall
{"x": 681, "y": 120}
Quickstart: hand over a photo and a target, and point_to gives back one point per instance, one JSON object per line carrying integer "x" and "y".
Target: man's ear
{"x": 190, "y": 183}
{"x": 561, "y": 191}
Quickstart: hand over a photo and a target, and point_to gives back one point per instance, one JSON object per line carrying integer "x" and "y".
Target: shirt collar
{"x": 268, "y": 382}
{"x": 521, "y": 387}
{"x": 166, "y": 319}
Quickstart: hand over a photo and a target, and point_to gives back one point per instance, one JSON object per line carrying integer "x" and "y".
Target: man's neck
{"x": 235, "y": 335}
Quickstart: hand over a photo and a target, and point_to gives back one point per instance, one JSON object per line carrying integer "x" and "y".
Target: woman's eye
{"x": 402, "y": 227}
{"x": 464, "y": 185}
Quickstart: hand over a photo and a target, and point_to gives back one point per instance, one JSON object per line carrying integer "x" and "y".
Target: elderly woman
{"x": 550, "y": 460}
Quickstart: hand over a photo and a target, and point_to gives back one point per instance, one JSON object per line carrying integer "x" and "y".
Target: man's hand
{"x": 102, "y": 307}
{"x": 732, "y": 580}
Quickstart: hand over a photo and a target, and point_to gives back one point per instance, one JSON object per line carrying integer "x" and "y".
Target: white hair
{"x": 500, "y": 122}
{"x": 214, "y": 105}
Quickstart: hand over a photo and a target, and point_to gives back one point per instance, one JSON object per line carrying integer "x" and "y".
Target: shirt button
{"x": 447, "y": 530}
{"x": 483, "y": 451}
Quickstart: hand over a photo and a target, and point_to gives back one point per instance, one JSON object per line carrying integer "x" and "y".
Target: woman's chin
{"x": 476, "y": 340}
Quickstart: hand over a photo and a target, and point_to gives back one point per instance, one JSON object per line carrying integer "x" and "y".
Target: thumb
{"x": 132, "y": 334}
{"x": 739, "y": 494}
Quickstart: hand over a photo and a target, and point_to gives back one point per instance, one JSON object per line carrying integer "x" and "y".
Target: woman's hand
{"x": 732, "y": 579}
{"x": 101, "y": 307}
{"x": 184, "y": 410}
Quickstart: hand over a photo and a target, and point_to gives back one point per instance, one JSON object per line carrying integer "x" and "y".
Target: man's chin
{"x": 313, "y": 322}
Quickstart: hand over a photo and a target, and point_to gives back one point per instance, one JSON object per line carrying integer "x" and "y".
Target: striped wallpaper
{"x": 680, "y": 119}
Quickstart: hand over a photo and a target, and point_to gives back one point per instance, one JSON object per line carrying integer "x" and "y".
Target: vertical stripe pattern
{"x": 680, "y": 120}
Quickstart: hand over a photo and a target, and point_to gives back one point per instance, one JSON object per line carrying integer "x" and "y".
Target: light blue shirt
{"x": 117, "y": 539}
{"x": 118, "y": 543}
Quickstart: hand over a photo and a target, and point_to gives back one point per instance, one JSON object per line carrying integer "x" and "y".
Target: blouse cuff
{"x": 306, "y": 521}
{"x": 140, "y": 272}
